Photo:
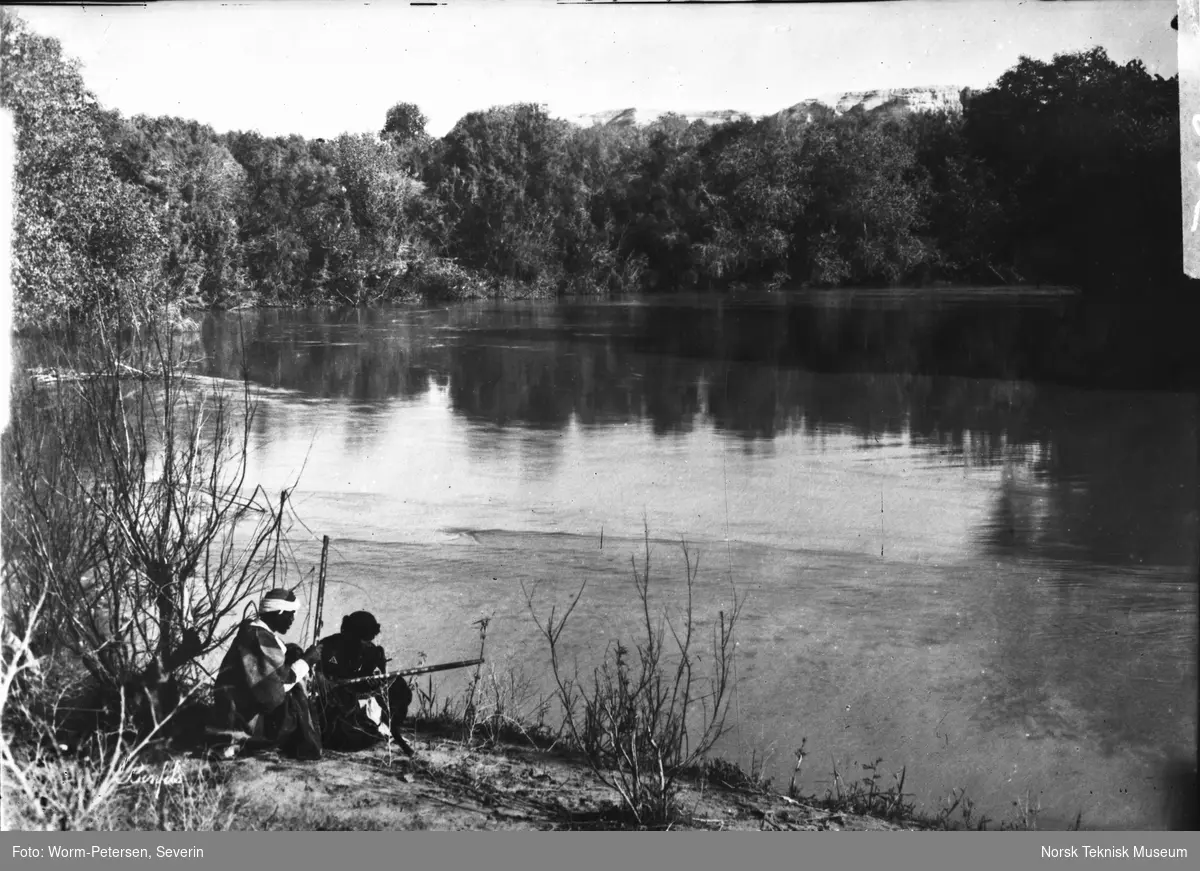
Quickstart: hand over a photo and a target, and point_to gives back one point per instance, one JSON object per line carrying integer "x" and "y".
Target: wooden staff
{"x": 319, "y": 621}
{"x": 278, "y": 535}
{"x": 404, "y": 672}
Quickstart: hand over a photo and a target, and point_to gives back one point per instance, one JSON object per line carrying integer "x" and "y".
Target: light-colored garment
{"x": 374, "y": 712}
{"x": 299, "y": 668}
{"x": 253, "y": 672}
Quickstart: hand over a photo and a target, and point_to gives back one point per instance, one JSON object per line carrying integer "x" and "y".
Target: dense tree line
{"x": 1062, "y": 172}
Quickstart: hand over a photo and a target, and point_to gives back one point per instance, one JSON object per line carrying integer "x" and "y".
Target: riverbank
{"x": 450, "y": 783}
{"x": 453, "y": 785}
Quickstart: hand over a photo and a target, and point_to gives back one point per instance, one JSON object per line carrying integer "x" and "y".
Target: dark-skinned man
{"x": 260, "y": 685}
{"x": 356, "y": 716}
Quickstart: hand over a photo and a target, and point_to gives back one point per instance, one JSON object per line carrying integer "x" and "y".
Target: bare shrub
{"x": 106, "y": 784}
{"x": 510, "y": 706}
{"x": 647, "y": 715}
{"x": 125, "y": 512}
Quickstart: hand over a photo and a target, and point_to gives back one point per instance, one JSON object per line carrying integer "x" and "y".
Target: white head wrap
{"x": 274, "y": 602}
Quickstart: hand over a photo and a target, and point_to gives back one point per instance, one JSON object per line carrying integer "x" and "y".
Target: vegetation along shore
{"x": 1063, "y": 172}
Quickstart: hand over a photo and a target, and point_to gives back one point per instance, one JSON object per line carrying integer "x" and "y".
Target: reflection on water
{"x": 991, "y": 580}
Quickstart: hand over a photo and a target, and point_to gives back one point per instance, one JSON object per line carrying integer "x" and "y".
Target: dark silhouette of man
{"x": 363, "y": 714}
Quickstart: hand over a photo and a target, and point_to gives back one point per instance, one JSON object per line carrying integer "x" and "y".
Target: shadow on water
{"x": 1181, "y": 795}
{"x": 1107, "y": 473}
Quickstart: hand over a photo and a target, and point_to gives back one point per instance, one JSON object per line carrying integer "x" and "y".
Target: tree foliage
{"x": 83, "y": 240}
{"x": 1085, "y": 154}
{"x": 499, "y": 176}
{"x": 404, "y": 123}
{"x": 199, "y": 191}
{"x": 758, "y": 191}
{"x": 1064, "y": 171}
{"x": 869, "y": 200}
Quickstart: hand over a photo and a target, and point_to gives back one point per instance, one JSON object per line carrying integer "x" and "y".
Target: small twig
{"x": 478, "y": 810}
{"x": 800, "y": 754}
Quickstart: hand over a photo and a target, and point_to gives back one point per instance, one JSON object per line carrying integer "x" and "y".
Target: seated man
{"x": 358, "y": 715}
{"x": 260, "y": 685}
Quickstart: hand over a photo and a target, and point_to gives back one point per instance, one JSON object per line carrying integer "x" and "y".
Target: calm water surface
{"x": 949, "y": 559}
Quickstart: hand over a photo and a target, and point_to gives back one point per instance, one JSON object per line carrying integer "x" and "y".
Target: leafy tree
{"x": 1085, "y": 153}
{"x": 869, "y": 198}
{"x": 295, "y": 221}
{"x": 498, "y": 178}
{"x": 404, "y": 128}
{"x": 757, "y": 188}
{"x": 83, "y": 241}
{"x": 662, "y": 213}
{"x": 600, "y": 161}
{"x": 966, "y": 217}
{"x": 404, "y": 123}
{"x": 200, "y": 191}
{"x": 381, "y": 204}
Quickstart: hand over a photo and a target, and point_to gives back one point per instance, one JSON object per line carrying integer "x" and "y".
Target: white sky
{"x": 321, "y": 68}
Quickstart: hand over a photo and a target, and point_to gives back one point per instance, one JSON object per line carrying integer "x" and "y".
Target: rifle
{"x": 392, "y": 675}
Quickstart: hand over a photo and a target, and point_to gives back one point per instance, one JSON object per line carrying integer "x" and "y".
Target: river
{"x": 954, "y": 552}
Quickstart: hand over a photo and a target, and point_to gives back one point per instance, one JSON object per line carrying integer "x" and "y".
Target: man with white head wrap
{"x": 260, "y": 685}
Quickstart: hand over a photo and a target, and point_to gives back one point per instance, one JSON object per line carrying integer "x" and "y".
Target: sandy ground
{"x": 450, "y": 786}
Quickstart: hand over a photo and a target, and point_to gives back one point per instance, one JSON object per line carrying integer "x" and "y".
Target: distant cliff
{"x": 634, "y": 117}
{"x": 898, "y": 101}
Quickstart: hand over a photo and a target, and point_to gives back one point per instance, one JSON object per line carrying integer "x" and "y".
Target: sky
{"x": 321, "y": 68}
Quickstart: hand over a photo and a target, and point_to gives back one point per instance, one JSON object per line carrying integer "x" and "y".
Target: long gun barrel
{"x": 404, "y": 672}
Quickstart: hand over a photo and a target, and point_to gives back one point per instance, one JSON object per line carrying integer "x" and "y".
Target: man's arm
{"x": 298, "y": 664}
{"x": 374, "y": 659}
